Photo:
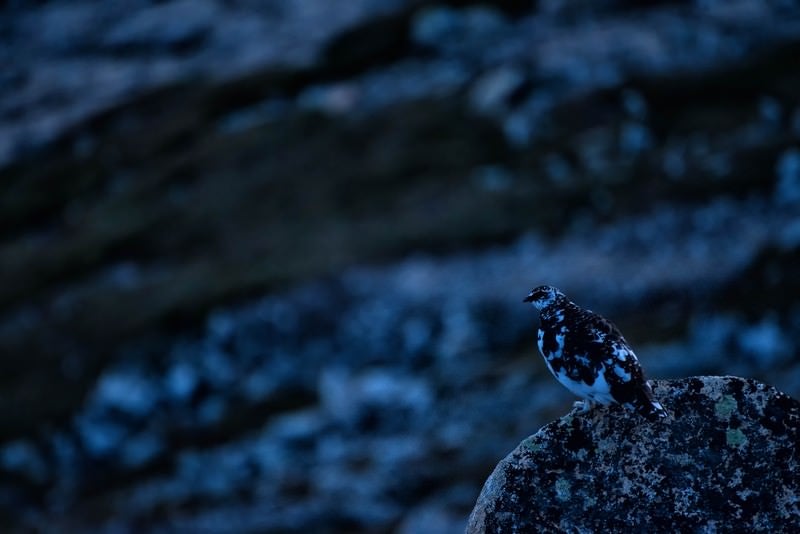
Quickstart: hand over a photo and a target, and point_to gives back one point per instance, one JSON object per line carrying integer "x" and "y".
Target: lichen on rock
{"x": 727, "y": 460}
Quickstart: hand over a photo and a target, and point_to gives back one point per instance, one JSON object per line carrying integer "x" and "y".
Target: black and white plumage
{"x": 589, "y": 356}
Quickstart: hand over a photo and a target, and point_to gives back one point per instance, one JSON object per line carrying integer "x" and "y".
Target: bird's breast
{"x": 551, "y": 342}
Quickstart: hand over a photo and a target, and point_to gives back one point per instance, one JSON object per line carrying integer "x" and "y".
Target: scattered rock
{"x": 22, "y": 457}
{"x": 787, "y": 168}
{"x": 167, "y": 27}
{"x": 728, "y": 457}
{"x": 493, "y": 90}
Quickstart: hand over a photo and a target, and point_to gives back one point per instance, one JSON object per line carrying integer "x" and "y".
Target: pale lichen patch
{"x": 725, "y": 407}
{"x": 734, "y": 437}
{"x": 563, "y": 489}
{"x": 532, "y": 444}
{"x": 712, "y": 390}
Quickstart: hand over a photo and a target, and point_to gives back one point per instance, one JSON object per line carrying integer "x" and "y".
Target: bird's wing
{"x": 597, "y": 330}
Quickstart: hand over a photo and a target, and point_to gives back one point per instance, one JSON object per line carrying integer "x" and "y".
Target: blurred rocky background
{"x": 262, "y": 262}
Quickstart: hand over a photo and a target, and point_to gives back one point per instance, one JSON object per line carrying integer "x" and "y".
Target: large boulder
{"x": 729, "y": 459}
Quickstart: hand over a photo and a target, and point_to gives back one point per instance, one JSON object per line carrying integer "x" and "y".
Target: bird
{"x": 589, "y": 356}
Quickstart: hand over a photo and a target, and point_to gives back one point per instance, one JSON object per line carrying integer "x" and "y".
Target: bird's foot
{"x": 583, "y": 406}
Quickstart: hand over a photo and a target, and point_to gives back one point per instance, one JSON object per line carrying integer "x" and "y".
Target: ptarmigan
{"x": 589, "y": 356}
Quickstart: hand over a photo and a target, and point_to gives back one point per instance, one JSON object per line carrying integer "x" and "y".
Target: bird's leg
{"x": 584, "y": 406}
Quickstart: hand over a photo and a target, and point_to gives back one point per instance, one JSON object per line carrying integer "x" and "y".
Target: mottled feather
{"x": 589, "y": 355}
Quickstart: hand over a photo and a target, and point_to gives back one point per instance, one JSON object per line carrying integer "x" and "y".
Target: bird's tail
{"x": 648, "y": 407}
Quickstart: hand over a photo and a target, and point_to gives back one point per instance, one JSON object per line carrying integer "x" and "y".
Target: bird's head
{"x": 543, "y": 296}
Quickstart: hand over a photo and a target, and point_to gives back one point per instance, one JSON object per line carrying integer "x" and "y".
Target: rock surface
{"x": 728, "y": 458}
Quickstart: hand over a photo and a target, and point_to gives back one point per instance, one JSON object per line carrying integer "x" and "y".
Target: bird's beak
{"x": 529, "y": 298}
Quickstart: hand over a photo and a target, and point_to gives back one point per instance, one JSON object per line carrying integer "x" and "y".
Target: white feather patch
{"x": 599, "y": 392}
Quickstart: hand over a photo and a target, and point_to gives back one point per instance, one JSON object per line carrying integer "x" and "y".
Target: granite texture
{"x": 727, "y": 460}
